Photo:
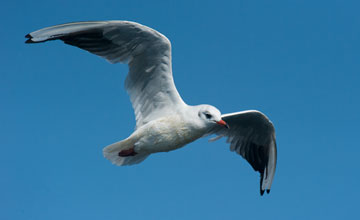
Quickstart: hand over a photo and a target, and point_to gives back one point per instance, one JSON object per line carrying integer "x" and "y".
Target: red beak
{"x": 223, "y": 123}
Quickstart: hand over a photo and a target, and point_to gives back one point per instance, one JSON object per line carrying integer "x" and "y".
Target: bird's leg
{"x": 127, "y": 152}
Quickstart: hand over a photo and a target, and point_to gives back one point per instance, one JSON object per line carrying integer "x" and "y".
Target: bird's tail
{"x": 112, "y": 151}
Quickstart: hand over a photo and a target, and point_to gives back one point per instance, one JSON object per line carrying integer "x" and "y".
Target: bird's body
{"x": 160, "y": 135}
{"x": 165, "y": 134}
{"x": 164, "y": 122}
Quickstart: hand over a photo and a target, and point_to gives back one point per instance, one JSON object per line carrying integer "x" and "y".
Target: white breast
{"x": 165, "y": 134}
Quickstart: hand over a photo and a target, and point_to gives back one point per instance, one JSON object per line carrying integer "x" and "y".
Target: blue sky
{"x": 296, "y": 61}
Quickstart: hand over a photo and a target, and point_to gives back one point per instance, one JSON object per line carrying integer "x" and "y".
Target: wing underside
{"x": 149, "y": 82}
{"x": 252, "y": 135}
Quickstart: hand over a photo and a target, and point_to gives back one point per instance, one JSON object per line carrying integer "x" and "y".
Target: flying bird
{"x": 164, "y": 122}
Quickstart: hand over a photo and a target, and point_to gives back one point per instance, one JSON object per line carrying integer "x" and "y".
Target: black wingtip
{"x": 29, "y": 40}
{"x": 268, "y": 191}
{"x": 261, "y": 182}
{"x": 262, "y": 192}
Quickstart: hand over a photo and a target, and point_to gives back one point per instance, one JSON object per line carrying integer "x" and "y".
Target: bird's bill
{"x": 223, "y": 123}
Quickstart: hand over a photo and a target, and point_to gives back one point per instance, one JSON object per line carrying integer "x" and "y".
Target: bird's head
{"x": 211, "y": 116}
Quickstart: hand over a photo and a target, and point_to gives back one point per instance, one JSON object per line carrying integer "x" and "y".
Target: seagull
{"x": 164, "y": 122}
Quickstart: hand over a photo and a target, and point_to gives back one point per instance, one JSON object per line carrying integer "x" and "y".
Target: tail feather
{"x": 111, "y": 153}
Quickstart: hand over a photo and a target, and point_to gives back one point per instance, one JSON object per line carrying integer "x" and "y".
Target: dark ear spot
{"x": 207, "y": 115}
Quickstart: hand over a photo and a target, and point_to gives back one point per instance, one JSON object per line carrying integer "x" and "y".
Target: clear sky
{"x": 296, "y": 61}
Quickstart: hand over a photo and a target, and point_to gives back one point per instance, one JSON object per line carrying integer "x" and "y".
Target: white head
{"x": 211, "y": 116}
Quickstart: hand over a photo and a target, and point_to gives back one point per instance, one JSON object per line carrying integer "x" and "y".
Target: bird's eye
{"x": 208, "y": 116}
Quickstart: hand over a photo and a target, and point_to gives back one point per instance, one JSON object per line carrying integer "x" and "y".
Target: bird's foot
{"x": 127, "y": 152}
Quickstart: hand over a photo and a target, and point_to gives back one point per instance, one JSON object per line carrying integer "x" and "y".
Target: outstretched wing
{"x": 149, "y": 83}
{"x": 252, "y": 135}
